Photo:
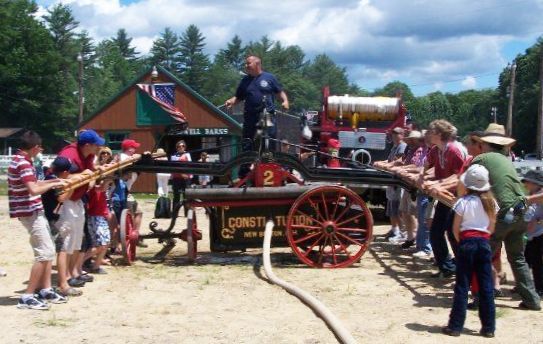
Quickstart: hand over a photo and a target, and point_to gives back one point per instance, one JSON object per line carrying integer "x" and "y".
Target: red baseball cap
{"x": 128, "y": 143}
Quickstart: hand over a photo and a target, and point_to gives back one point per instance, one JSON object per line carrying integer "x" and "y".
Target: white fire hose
{"x": 342, "y": 334}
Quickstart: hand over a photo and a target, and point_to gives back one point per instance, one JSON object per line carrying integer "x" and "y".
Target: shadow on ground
{"x": 412, "y": 274}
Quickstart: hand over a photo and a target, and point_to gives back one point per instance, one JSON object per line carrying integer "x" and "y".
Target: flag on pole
{"x": 164, "y": 96}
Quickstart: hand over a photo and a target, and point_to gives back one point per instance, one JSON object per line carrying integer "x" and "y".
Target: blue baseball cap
{"x": 61, "y": 164}
{"x": 91, "y": 137}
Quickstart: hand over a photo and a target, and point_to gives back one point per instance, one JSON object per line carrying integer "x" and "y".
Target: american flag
{"x": 164, "y": 95}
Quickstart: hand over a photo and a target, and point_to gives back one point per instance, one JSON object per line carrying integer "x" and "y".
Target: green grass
{"x": 53, "y": 321}
{"x": 145, "y": 196}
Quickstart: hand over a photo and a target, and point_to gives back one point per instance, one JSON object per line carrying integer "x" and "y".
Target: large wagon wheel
{"x": 329, "y": 227}
{"x": 129, "y": 236}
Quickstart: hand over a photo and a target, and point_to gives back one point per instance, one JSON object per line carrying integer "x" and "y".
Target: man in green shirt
{"x": 510, "y": 230}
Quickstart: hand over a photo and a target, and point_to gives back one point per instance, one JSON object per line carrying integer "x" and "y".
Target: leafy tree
{"x": 30, "y": 95}
{"x": 194, "y": 63}
{"x": 222, "y": 81}
{"x": 392, "y": 89}
{"x": 471, "y": 109}
{"x": 166, "y": 50}
{"x": 525, "y": 110}
{"x": 325, "y": 72}
{"x": 110, "y": 58}
{"x": 430, "y": 107}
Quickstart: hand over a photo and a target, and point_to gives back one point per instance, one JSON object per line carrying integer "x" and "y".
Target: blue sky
{"x": 430, "y": 45}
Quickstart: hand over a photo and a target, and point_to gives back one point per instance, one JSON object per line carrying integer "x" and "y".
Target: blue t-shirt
{"x": 120, "y": 193}
{"x": 253, "y": 89}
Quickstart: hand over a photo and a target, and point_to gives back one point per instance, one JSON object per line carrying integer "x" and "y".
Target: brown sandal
{"x": 70, "y": 292}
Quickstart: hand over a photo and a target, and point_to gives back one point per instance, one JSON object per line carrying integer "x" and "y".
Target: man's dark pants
{"x": 250, "y": 123}
{"x": 534, "y": 257}
{"x": 441, "y": 224}
{"x": 512, "y": 236}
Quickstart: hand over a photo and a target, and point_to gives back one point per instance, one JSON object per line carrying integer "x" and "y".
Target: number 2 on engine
{"x": 268, "y": 178}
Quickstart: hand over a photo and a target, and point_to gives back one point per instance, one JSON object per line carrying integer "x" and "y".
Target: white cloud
{"x": 469, "y": 82}
{"x": 420, "y": 42}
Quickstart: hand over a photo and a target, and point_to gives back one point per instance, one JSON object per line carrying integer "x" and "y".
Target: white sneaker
{"x": 398, "y": 238}
{"x": 32, "y": 303}
{"x": 3, "y": 273}
{"x": 422, "y": 255}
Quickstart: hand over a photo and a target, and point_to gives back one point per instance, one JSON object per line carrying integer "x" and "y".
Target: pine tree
{"x": 234, "y": 54}
{"x": 193, "y": 62}
{"x": 166, "y": 50}
{"x": 122, "y": 41}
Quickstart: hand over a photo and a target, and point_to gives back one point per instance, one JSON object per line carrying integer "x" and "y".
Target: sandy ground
{"x": 224, "y": 298}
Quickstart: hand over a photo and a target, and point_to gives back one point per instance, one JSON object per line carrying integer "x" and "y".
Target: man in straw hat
{"x": 509, "y": 193}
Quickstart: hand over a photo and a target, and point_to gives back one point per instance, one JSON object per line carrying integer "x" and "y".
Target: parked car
{"x": 530, "y": 156}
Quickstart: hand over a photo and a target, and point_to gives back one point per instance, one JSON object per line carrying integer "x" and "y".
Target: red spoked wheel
{"x": 129, "y": 237}
{"x": 329, "y": 227}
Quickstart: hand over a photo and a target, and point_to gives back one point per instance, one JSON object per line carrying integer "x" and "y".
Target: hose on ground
{"x": 343, "y": 335}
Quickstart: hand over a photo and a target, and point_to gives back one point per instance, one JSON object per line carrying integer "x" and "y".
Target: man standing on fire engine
{"x": 258, "y": 89}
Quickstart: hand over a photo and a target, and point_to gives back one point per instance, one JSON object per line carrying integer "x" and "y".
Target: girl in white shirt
{"x": 474, "y": 221}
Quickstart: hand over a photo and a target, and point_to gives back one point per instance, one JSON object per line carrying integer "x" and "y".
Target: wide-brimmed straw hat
{"x": 495, "y": 134}
{"x": 495, "y": 128}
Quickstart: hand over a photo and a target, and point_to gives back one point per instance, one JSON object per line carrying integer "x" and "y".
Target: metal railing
{"x": 5, "y": 159}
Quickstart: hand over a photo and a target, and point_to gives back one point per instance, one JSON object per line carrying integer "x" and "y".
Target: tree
{"x": 122, "y": 41}
{"x": 471, "y": 109}
{"x": 62, "y": 26}
{"x": 30, "y": 95}
{"x": 194, "y": 63}
{"x": 260, "y": 48}
{"x": 525, "y": 110}
{"x": 322, "y": 71}
{"x": 234, "y": 54}
{"x": 166, "y": 50}
{"x": 430, "y": 107}
{"x": 394, "y": 88}
{"x": 222, "y": 81}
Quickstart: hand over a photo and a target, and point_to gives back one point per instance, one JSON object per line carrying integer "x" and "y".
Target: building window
{"x": 209, "y": 142}
{"x": 114, "y": 139}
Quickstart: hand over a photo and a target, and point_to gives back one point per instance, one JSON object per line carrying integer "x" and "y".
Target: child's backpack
{"x": 163, "y": 208}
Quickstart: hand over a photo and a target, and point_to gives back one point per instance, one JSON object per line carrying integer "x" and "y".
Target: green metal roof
{"x": 236, "y": 125}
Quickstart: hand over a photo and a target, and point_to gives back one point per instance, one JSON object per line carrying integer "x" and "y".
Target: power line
{"x": 454, "y": 80}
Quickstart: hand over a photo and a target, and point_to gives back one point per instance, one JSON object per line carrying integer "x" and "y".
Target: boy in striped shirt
{"x": 24, "y": 192}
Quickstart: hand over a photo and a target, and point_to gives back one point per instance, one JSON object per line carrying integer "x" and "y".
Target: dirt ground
{"x": 387, "y": 297}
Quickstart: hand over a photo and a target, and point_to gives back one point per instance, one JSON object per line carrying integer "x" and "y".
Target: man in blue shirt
{"x": 252, "y": 89}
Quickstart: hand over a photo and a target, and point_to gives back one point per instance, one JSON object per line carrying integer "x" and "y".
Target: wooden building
{"x": 133, "y": 114}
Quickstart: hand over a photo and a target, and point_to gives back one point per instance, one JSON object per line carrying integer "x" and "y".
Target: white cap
{"x": 476, "y": 178}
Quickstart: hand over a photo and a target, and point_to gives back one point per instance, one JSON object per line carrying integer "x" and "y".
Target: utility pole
{"x": 539, "y": 140}
{"x": 80, "y": 80}
{"x": 509, "y": 127}
{"x": 494, "y": 113}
